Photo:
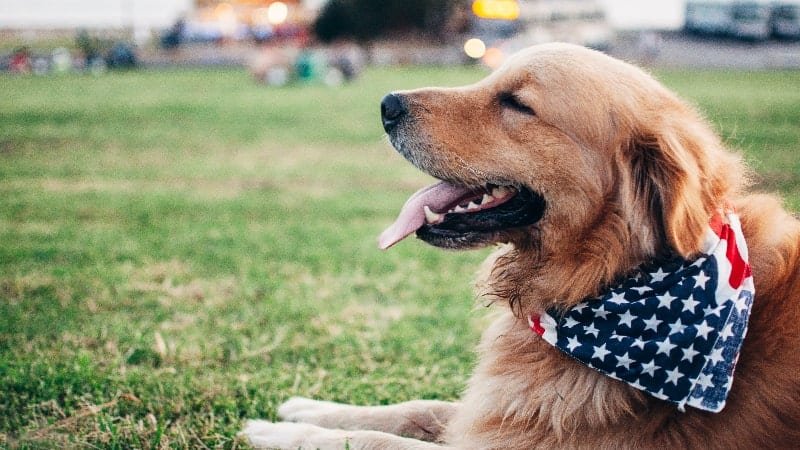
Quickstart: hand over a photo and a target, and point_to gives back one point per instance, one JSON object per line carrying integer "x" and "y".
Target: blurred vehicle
{"x": 741, "y": 19}
{"x": 785, "y": 22}
{"x": 575, "y": 21}
{"x": 710, "y": 17}
{"x": 501, "y": 27}
{"x": 751, "y": 20}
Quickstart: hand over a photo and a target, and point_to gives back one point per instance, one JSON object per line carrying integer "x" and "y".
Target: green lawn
{"x": 183, "y": 250}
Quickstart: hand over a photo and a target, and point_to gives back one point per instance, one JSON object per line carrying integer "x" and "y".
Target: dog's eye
{"x": 508, "y": 100}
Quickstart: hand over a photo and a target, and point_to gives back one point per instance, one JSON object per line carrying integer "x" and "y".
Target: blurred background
{"x": 274, "y": 38}
{"x": 191, "y": 192}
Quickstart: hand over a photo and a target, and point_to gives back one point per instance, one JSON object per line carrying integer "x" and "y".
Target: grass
{"x": 183, "y": 250}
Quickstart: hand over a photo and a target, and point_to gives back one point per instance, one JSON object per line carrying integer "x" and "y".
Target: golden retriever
{"x": 584, "y": 168}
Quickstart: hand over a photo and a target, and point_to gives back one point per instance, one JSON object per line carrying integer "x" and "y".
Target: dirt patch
{"x": 7, "y": 146}
{"x": 171, "y": 281}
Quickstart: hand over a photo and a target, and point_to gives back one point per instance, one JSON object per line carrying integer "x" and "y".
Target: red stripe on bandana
{"x": 535, "y": 322}
{"x": 718, "y": 224}
{"x": 739, "y": 267}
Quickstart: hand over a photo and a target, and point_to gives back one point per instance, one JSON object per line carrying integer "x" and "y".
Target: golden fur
{"x": 629, "y": 172}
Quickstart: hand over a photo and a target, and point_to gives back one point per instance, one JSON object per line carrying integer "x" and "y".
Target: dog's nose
{"x": 392, "y": 110}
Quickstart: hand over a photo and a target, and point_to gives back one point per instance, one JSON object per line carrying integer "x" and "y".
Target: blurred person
{"x": 273, "y": 65}
{"x": 20, "y": 61}
{"x": 173, "y": 37}
{"x": 347, "y": 58}
{"x": 62, "y": 60}
{"x": 89, "y": 48}
{"x": 121, "y": 56}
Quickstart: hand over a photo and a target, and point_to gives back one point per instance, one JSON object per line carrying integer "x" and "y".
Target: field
{"x": 182, "y": 250}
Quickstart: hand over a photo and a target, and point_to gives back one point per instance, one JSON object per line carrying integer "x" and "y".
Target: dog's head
{"x": 563, "y": 152}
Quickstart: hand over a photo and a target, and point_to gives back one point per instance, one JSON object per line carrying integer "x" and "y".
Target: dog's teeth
{"x": 430, "y": 216}
{"x": 472, "y": 205}
{"x": 459, "y": 209}
{"x": 486, "y": 199}
{"x": 500, "y": 191}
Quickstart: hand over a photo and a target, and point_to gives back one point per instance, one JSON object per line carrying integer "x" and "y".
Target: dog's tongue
{"x": 436, "y": 196}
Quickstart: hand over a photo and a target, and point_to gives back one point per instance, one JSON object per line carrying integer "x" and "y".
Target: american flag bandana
{"x": 674, "y": 329}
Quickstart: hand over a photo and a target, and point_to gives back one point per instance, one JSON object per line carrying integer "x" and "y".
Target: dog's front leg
{"x": 418, "y": 419}
{"x": 293, "y": 436}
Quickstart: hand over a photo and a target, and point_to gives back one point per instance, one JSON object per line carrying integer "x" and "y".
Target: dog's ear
{"x": 672, "y": 177}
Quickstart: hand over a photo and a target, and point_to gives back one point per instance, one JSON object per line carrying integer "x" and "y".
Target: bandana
{"x": 674, "y": 329}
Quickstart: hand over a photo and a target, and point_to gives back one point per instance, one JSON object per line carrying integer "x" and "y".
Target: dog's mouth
{"x": 452, "y": 216}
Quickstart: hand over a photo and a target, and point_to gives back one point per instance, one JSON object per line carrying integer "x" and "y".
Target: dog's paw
{"x": 300, "y": 409}
{"x": 282, "y": 435}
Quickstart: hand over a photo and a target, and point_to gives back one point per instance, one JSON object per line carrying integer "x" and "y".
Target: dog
{"x": 585, "y": 170}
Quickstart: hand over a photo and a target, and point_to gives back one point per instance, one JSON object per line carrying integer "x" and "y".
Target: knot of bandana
{"x": 674, "y": 330}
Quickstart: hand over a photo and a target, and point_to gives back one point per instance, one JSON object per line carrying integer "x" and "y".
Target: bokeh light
{"x": 494, "y": 57}
{"x": 496, "y": 9}
{"x": 277, "y": 13}
{"x": 475, "y": 48}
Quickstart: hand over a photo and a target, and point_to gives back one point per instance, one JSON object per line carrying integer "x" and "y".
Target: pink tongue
{"x": 436, "y": 196}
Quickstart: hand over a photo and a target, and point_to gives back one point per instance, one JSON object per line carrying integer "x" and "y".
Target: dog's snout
{"x": 393, "y": 109}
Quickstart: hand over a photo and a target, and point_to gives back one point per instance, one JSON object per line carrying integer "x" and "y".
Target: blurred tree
{"x": 365, "y": 20}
